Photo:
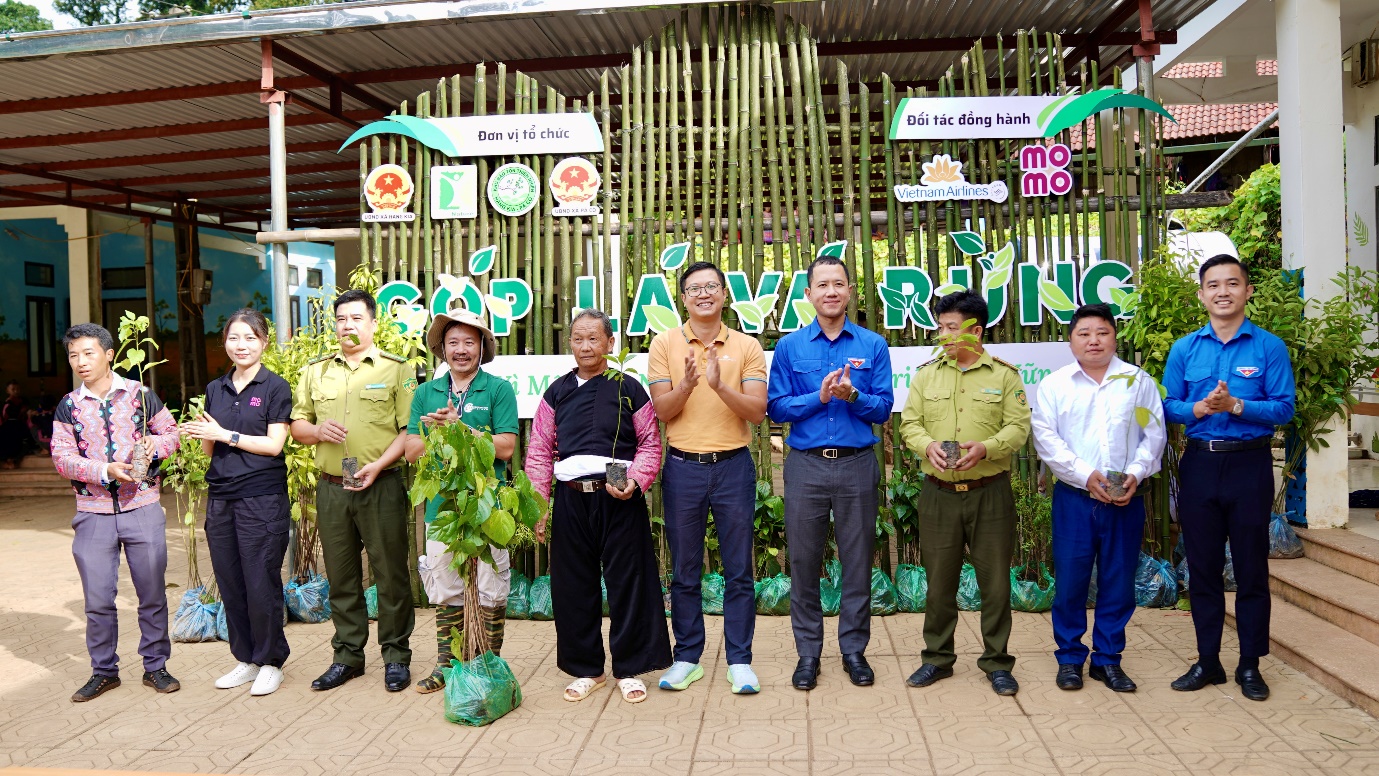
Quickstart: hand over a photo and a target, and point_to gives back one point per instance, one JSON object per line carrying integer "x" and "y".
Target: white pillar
{"x": 73, "y": 221}
{"x": 1313, "y": 196}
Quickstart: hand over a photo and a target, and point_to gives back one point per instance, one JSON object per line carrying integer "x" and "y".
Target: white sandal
{"x": 629, "y": 686}
{"x": 580, "y": 689}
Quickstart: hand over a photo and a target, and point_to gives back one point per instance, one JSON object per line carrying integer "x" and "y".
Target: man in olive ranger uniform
{"x": 355, "y": 404}
{"x": 969, "y": 397}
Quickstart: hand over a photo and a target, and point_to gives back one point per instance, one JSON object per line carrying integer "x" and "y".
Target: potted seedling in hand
{"x": 132, "y": 357}
{"x": 616, "y": 471}
{"x": 1143, "y": 416}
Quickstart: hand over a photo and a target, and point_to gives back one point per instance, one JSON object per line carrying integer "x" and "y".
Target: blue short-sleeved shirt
{"x": 801, "y": 362}
{"x": 1256, "y": 368}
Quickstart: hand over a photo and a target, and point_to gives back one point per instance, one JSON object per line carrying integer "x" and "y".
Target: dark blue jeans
{"x": 691, "y": 490}
{"x": 1087, "y": 532}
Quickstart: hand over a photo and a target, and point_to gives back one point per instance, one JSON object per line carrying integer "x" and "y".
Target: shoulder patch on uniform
{"x": 933, "y": 360}
{"x": 392, "y": 356}
{"x": 319, "y": 359}
{"x": 410, "y": 383}
{"x": 1006, "y": 364}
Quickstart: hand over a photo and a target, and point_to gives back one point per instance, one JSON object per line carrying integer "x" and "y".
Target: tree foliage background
{"x": 21, "y": 17}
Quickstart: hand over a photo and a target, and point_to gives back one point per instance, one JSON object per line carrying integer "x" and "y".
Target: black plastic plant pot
{"x": 350, "y": 467}
{"x": 951, "y": 453}
{"x": 1115, "y": 484}
{"x": 140, "y": 463}
{"x": 616, "y": 474}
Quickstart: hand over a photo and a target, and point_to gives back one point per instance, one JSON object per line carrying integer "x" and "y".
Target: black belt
{"x": 966, "y": 485}
{"x": 705, "y": 457}
{"x": 1228, "y": 445}
{"x": 835, "y": 452}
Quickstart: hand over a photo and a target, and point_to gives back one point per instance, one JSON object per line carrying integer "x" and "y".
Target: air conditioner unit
{"x": 1364, "y": 62}
{"x": 201, "y": 286}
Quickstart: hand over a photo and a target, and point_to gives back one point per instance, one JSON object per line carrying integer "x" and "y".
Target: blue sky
{"x": 45, "y": 9}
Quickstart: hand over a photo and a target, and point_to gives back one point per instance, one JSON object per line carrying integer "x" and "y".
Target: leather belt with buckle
{"x": 1228, "y": 445}
{"x": 966, "y": 485}
{"x": 705, "y": 457}
{"x": 585, "y": 486}
{"x": 834, "y": 452}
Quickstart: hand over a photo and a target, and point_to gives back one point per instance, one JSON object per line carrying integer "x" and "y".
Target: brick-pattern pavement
{"x": 954, "y": 727}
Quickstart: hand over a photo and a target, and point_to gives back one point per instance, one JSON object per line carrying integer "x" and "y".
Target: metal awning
{"x": 168, "y": 110}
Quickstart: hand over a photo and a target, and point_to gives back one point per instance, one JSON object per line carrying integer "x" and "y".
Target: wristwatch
{"x": 853, "y": 396}
{"x": 234, "y": 439}
{"x": 1238, "y": 407}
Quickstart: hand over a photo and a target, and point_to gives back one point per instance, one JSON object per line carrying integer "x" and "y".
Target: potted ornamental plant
{"x": 616, "y": 471}
{"x": 131, "y": 357}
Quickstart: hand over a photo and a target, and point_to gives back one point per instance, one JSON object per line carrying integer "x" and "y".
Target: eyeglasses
{"x": 705, "y": 290}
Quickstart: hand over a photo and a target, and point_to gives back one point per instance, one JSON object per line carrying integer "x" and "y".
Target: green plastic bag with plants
{"x": 518, "y": 606}
{"x": 539, "y": 604}
{"x": 831, "y": 588}
{"x": 1031, "y": 595}
{"x": 711, "y": 589}
{"x": 480, "y": 691}
{"x": 911, "y": 588}
{"x": 883, "y": 596}
{"x": 969, "y": 594}
{"x": 773, "y": 596}
{"x": 371, "y": 601}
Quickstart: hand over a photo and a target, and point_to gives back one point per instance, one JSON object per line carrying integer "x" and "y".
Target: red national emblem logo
{"x": 388, "y": 189}
{"x": 575, "y": 181}
{"x": 857, "y": 362}
{"x": 1247, "y": 371}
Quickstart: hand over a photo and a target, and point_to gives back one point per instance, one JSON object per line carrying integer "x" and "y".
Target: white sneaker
{"x": 244, "y": 673}
{"x": 268, "y": 681}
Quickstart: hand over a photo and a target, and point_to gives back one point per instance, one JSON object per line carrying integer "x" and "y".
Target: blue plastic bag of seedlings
{"x": 539, "y": 599}
{"x": 195, "y": 621}
{"x": 711, "y": 589}
{"x": 1283, "y": 540}
{"x": 222, "y": 626}
{"x": 308, "y": 601}
{"x": 371, "y": 601}
{"x": 773, "y": 596}
{"x": 969, "y": 594}
{"x": 911, "y": 588}
{"x": 1156, "y": 583}
{"x": 518, "y": 608}
{"x": 480, "y": 691}
{"x": 1028, "y": 595}
{"x": 833, "y": 569}
{"x": 884, "y": 601}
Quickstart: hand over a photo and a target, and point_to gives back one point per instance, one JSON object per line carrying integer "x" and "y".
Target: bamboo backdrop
{"x": 719, "y": 132}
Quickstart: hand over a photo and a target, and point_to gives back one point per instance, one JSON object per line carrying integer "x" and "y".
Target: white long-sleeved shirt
{"x": 1081, "y": 426}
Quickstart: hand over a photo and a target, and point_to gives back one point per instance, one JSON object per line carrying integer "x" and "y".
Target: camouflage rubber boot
{"x": 495, "y": 617}
{"x": 447, "y": 617}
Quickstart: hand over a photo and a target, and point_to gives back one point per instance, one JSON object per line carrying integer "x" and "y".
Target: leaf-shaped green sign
{"x": 919, "y": 312}
{"x": 674, "y": 255}
{"x": 498, "y": 306}
{"x": 986, "y": 262}
{"x": 1132, "y": 300}
{"x": 833, "y": 250}
{"x": 892, "y": 298}
{"x": 659, "y": 318}
{"x": 805, "y": 311}
{"x": 949, "y": 288}
{"x": 749, "y": 313}
{"x": 481, "y": 261}
{"x": 766, "y": 303}
{"x": 995, "y": 279}
{"x": 1005, "y": 257}
{"x": 1054, "y": 298}
{"x": 969, "y": 243}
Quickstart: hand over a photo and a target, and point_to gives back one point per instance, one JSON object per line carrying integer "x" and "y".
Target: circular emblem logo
{"x": 388, "y": 189}
{"x": 574, "y": 181}
{"x": 469, "y": 407}
{"x": 512, "y": 189}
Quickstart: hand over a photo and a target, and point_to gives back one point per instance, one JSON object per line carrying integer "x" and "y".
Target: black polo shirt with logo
{"x": 236, "y": 473}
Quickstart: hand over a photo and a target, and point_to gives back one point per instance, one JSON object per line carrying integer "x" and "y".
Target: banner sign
{"x": 494, "y": 135}
{"x": 943, "y": 179}
{"x": 977, "y": 118}
{"x": 530, "y": 376}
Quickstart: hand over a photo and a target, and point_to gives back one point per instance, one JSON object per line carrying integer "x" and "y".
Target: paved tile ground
{"x": 955, "y": 727}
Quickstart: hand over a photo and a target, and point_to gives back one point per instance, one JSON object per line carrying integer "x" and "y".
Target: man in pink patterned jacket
{"x": 95, "y": 431}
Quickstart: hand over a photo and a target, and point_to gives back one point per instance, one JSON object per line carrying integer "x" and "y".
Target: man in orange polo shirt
{"x": 708, "y": 383}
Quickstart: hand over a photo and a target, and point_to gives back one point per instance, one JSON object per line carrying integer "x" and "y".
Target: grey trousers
{"x": 846, "y": 488}
{"x": 96, "y": 548}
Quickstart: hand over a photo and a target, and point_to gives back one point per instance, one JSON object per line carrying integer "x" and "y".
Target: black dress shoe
{"x": 1003, "y": 683}
{"x": 1251, "y": 683}
{"x": 162, "y": 681}
{"x": 927, "y": 674}
{"x": 1069, "y": 676}
{"x": 859, "y": 670}
{"x": 806, "y": 673}
{"x": 396, "y": 676}
{"x": 336, "y": 675}
{"x": 1198, "y": 677}
{"x": 1112, "y": 677}
{"x": 97, "y": 685}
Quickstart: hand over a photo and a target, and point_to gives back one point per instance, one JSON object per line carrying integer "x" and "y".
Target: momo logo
{"x": 1247, "y": 371}
{"x": 1044, "y": 170}
{"x": 857, "y": 363}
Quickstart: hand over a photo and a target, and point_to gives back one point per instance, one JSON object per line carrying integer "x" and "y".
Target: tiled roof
{"x": 1193, "y": 70}
{"x": 1206, "y": 120}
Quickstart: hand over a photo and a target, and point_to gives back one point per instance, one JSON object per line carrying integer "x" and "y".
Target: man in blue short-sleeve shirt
{"x": 1230, "y": 383}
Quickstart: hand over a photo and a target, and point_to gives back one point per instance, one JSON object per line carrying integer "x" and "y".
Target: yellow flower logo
{"x": 942, "y": 170}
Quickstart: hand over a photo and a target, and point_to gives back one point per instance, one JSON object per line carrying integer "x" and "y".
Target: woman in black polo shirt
{"x": 243, "y": 428}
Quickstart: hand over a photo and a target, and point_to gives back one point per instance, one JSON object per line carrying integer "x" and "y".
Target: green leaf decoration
{"x": 674, "y": 255}
{"x": 1048, "y": 111}
{"x": 481, "y": 261}
{"x": 455, "y": 284}
{"x": 969, "y": 243}
{"x": 1005, "y": 257}
{"x": 892, "y": 298}
{"x": 660, "y": 318}
{"x": 749, "y": 313}
{"x": 986, "y": 262}
{"x": 419, "y": 130}
{"x": 1077, "y": 110}
{"x": 1053, "y": 297}
{"x": 1361, "y": 231}
{"x": 919, "y": 312}
{"x": 1132, "y": 301}
{"x": 1118, "y": 297}
{"x": 498, "y": 306}
{"x": 949, "y": 288}
{"x": 995, "y": 279}
{"x": 766, "y": 303}
{"x": 805, "y": 311}
{"x": 833, "y": 250}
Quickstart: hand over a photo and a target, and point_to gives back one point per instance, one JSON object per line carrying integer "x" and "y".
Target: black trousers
{"x": 594, "y": 534}
{"x": 247, "y": 538}
{"x": 1227, "y": 497}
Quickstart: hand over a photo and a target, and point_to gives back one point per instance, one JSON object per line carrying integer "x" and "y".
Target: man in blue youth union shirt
{"x": 1230, "y": 383}
{"x": 831, "y": 381}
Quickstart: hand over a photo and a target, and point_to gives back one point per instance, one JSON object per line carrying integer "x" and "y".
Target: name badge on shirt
{"x": 992, "y": 391}
{"x": 1247, "y": 371}
{"x": 857, "y": 363}
{"x": 376, "y": 385}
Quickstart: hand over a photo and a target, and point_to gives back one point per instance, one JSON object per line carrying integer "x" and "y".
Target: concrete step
{"x": 1340, "y": 661}
{"x": 1348, "y": 602}
{"x": 36, "y": 462}
{"x": 35, "y": 491}
{"x": 1348, "y": 551}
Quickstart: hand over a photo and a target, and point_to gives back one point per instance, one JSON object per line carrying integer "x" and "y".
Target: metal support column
{"x": 277, "y": 191}
{"x": 150, "y": 302}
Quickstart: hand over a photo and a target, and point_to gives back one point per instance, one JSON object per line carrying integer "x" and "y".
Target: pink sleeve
{"x": 164, "y": 429}
{"x": 646, "y": 464}
{"x": 540, "y": 466}
{"x": 69, "y": 461}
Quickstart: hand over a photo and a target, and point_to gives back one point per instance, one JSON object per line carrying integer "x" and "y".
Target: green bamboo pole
{"x": 819, "y": 231}
{"x": 868, "y": 261}
{"x": 706, "y": 132}
{"x": 548, "y": 258}
{"x": 606, "y": 254}
{"x": 625, "y": 145}
{"x": 672, "y": 80}
{"x": 895, "y": 243}
{"x": 720, "y": 213}
{"x": 849, "y": 186}
{"x": 634, "y": 172}
{"x": 774, "y": 142}
{"x": 756, "y": 181}
{"x": 569, "y": 248}
{"x": 650, "y": 252}
{"x": 821, "y": 137}
{"x": 662, "y": 130}
{"x": 733, "y": 211}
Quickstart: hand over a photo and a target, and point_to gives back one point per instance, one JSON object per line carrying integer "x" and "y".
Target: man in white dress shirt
{"x": 1099, "y": 425}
